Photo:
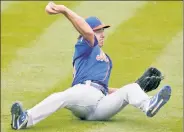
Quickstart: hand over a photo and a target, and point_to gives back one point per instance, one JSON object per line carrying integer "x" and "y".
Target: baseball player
{"x": 90, "y": 97}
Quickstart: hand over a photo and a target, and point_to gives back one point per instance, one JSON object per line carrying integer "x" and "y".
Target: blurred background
{"x": 37, "y": 51}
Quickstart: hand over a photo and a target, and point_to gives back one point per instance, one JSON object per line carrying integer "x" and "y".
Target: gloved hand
{"x": 150, "y": 80}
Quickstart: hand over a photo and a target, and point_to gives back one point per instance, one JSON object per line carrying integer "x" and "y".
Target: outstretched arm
{"x": 78, "y": 22}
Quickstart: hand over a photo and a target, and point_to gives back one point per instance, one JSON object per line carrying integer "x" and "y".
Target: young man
{"x": 90, "y": 97}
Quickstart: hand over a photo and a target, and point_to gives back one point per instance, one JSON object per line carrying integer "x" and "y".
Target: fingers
{"x": 54, "y": 6}
{"x": 50, "y": 8}
{"x": 50, "y": 11}
{"x": 155, "y": 71}
{"x": 157, "y": 81}
{"x": 152, "y": 71}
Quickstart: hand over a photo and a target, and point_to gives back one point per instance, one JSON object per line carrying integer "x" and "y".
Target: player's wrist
{"x": 63, "y": 9}
{"x": 66, "y": 11}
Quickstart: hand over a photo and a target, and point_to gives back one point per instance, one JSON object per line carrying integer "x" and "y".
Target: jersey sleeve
{"x": 83, "y": 47}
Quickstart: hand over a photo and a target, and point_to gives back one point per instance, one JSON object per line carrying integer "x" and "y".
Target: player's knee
{"x": 124, "y": 90}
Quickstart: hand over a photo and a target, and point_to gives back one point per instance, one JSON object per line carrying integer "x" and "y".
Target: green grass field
{"x": 37, "y": 50}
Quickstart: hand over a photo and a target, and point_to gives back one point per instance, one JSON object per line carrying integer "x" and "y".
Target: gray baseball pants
{"x": 89, "y": 103}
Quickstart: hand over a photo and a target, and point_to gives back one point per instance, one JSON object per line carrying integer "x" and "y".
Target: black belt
{"x": 96, "y": 85}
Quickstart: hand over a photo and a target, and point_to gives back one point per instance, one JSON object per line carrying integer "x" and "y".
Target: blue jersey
{"x": 91, "y": 63}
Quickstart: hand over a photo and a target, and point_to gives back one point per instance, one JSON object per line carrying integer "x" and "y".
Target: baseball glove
{"x": 150, "y": 80}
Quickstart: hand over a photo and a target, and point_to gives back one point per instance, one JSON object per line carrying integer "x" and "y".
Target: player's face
{"x": 100, "y": 36}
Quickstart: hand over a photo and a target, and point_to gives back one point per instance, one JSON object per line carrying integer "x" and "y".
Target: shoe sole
{"x": 162, "y": 98}
{"x": 16, "y": 111}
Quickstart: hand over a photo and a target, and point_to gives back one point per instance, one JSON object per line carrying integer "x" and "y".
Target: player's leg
{"x": 113, "y": 103}
{"x": 22, "y": 119}
{"x": 74, "y": 99}
{"x": 129, "y": 94}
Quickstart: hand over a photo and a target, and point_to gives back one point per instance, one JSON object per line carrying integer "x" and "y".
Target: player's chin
{"x": 101, "y": 44}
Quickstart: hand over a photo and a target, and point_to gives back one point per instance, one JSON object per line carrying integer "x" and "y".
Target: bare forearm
{"x": 80, "y": 24}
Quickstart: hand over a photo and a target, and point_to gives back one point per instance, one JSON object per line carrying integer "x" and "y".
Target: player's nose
{"x": 102, "y": 35}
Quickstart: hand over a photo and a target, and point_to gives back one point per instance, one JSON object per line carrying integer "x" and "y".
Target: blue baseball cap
{"x": 95, "y": 23}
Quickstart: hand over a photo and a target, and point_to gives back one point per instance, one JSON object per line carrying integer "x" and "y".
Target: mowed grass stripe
{"x": 127, "y": 119}
{"x": 171, "y": 64}
{"x": 138, "y": 41}
{"x": 136, "y": 46}
{"x": 22, "y": 23}
{"x": 45, "y": 60}
{"x": 14, "y": 78}
{"x": 30, "y": 61}
{"x": 57, "y": 117}
{"x": 6, "y": 4}
{"x": 169, "y": 59}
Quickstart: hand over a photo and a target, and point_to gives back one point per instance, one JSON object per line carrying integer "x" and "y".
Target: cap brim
{"x": 101, "y": 26}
